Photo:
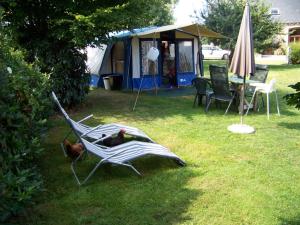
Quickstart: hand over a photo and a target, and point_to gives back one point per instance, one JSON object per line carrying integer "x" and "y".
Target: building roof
{"x": 289, "y": 10}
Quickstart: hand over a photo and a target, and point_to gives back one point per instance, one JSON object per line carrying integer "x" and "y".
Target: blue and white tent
{"x": 178, "y": 62}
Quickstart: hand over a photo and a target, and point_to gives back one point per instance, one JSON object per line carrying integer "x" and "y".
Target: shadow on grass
{"x": 295, "y": 126}
{"x": 119, "y": 105}
{"x": 293, "y": 221}
{"x": 114, "y": 195}
{"x": 148, "y": 107}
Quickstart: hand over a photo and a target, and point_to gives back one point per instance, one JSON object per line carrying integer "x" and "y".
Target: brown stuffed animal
{"x": 73, "y": 150}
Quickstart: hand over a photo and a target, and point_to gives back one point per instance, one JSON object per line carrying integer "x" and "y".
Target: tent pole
{"x": 130, "y": 50}
{"x": 200, "y": 61}
{"x": 138, "y": 94}
{"x": 153, "y": 75}
{"x": 154, "y": 80}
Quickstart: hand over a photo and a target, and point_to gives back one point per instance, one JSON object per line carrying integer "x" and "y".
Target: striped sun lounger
{"x": 99, "y": 132}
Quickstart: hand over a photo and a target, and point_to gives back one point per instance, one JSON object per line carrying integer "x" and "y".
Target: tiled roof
{"x": 289, "y": 10}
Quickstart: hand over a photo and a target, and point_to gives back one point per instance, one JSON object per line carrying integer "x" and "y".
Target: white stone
{"x": 241, "y": 129}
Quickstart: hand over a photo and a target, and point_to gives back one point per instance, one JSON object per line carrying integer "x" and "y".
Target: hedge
{"x": 24, "y": 107}
{"x": 295, "y": 53}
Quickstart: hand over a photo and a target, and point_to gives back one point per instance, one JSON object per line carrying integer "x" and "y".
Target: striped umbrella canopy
{"x": 243, "y": 62}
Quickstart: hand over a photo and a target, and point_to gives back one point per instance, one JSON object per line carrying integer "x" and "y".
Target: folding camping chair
{"x": 99, "y": 132}
{"x": 122, "y": 154}
{"x": 220, "y": 86}
{"x": 201, "y": 84}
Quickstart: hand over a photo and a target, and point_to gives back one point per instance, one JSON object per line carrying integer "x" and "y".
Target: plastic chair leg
{"x": 262, "y": 100}
{"x": 277, "y": 103}
{"x": 268, "y": 106}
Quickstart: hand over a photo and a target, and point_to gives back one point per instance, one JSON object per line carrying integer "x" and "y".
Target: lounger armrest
{"x": 93, "y": 129}
{"x": 101, "y": 139}
{"x": 85, "y": 118}
{"x": 102, "y": 146}
{"x": 117, "y": 153}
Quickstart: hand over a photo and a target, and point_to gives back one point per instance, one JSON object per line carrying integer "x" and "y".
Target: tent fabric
{"x": 125, "y": 34}
{"x": 194, "y": 29}
{"x": 105, "y": 67}
{"x": 242, "y": 62}
{"x": 127, "y": 62}
{"x": 100, "y": 60}
{"x": 95, "y": 58}
{"x": 135, "y": 58}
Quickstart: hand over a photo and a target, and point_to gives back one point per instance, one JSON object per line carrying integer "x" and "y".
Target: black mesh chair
{"x": 220, "y": 86}
{"x": 261, "y": 73}
{"x": 201, "y": 84}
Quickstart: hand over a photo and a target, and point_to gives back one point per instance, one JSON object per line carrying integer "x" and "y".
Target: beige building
{"x": 288, "y": 13}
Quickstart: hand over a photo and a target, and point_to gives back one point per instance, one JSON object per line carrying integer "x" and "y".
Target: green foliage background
{"x": 54, "y": 31}
{"x": 43, "y": 53}
{"x": 294, "y": 98}
{"x": 295, "y": 53}
{"x": 225, "y": 16}
{"x": 24, "y": 106}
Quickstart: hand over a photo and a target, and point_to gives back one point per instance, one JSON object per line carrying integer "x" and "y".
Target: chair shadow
{"x": 293, "y": 221}
{"x": 114, "y": 194}
{"x": 294, "y": 126}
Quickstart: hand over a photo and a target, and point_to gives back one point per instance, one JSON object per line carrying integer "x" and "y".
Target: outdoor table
{"x": 238, "y": 81}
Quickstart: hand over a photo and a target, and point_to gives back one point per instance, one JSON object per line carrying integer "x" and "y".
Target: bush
{"x": 295, "y": 53}
{"x": 294, "y": 98}
{"x": 68, "y": 77}
{"x": 24, "y": 105}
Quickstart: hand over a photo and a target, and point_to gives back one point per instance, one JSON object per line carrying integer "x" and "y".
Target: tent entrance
{"x": 169, "y": 75}
{"x": 185, "y": 61}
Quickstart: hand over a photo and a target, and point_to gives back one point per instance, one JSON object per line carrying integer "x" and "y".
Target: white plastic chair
{"x": 265, "y": 88}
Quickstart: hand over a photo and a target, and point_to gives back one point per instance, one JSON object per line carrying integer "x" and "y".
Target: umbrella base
{"x": 241, "y": 129}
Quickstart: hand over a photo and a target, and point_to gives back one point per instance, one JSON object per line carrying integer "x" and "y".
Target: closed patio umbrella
{"x": 243, "y": 63}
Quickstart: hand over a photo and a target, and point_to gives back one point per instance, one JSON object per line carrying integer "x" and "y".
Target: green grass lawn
{"x": 229, "y": 178}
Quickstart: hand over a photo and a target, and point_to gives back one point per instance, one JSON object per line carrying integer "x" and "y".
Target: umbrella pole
{"x": 244, "y": 32}
{"x": 241, "y": 128}
{"x": 243, "y": 99}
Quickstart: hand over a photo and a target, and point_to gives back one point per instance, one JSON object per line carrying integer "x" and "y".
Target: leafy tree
{"x": 294, "y": 98}
{"x": 54, "y": 31}
{"x": 225, "y": 16}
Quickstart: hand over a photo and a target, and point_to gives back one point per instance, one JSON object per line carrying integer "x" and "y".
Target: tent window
{"x": 185, "y": 56}
{"x": 148, "y": 67}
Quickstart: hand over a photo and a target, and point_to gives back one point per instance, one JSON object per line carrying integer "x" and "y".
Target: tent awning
{"x": 194, "y": 29}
